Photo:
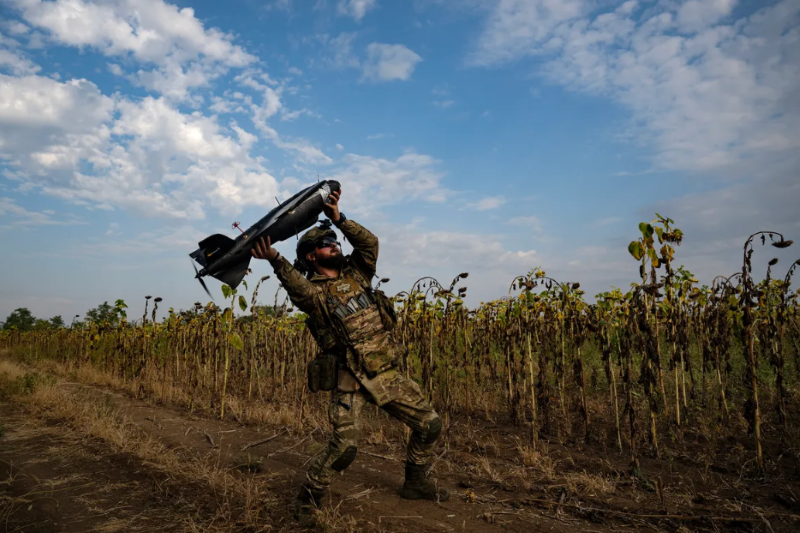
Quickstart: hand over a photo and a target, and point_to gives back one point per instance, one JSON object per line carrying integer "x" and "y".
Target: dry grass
{"x": 585, "y": 483}
{"x": 243, "y": 410}
{"x": 539, "y": 461}
{"x": 242, "y": 500}
{"x": 331, "y": 520}
{"x": 10, "y": 371}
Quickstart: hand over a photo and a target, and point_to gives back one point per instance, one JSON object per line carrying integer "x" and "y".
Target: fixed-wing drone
{"x": 228, "y": 259}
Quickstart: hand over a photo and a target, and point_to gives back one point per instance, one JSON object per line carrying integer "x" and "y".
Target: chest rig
{"x": 351, "y": 302}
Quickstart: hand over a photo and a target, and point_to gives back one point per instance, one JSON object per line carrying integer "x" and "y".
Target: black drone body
{"x": 228, "y": 259}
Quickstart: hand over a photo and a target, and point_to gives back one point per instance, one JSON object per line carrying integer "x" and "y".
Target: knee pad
{"x": 431, "y": 430}
{"x": 346, "y": 459}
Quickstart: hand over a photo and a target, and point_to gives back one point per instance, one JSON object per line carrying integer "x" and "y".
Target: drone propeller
{"x": 200, "y": 279}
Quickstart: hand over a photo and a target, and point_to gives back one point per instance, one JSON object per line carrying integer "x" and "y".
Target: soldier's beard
{"x": 332, "y": 261}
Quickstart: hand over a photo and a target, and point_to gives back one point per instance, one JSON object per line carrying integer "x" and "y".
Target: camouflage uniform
{"x": 368, "y": 367}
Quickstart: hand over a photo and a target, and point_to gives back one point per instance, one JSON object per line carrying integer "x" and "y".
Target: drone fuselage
{"x": 228, "y": 259}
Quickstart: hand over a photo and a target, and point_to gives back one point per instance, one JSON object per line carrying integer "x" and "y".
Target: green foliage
{"x": 21, "y": 319}
{"x": 102, "y": 313}
{"x": 25, "y": 384}
{"x": 636, "y": 249}
{"x": 236, "y": 340}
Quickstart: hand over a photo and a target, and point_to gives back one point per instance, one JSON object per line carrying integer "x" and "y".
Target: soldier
{"x": 352, "y": 324}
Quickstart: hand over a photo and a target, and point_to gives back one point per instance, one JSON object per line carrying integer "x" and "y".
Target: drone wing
{"x": 212, "y": 248}
{"x": 233, "y": 275}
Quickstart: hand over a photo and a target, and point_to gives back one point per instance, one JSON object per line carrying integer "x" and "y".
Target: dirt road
{"x": 80, "y": 458}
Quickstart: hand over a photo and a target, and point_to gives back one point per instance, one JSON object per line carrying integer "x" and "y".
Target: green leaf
{"x": 242, "y": 303}
{"x": 226, "y": 291}
{"x": 244, "y": 282}
{"x": 236, "y": 340}
{"x": 660, "y": 232}
{"x": 636, "y": 250}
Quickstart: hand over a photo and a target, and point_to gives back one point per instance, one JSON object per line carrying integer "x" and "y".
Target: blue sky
{"x": 478, "y": 136}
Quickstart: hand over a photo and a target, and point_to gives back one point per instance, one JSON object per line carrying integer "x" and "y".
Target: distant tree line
{"x": 22, "y": 319}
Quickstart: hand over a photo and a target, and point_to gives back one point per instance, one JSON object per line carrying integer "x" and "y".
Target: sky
{"x": 488, "y": 137}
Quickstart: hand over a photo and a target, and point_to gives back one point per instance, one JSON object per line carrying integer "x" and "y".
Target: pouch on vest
{"x": 323, "y": 373}
{"x": 385, "y": 307}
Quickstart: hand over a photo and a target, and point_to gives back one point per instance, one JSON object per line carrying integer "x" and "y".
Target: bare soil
{"x": 55, "y": 477}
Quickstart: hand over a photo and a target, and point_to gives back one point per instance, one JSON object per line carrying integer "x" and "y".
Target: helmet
{"x": 310, "y": 238}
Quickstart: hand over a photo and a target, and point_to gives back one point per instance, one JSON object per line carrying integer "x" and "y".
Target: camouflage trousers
{"x": 405, "y": 403}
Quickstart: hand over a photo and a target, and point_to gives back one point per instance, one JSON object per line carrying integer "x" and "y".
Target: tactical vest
{"x": 359, "y": 325}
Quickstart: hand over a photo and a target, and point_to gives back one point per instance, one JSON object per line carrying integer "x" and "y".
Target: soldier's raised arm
{"x": 365, "y": 246}
{"x": 302, "y": 292}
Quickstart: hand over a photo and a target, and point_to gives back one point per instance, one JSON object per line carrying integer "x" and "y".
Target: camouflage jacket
{"x": 342, "y": 314}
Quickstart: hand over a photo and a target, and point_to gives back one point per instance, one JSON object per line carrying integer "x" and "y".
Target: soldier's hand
{"x": 264, "y": 250}
{"x": 331, "y": 208}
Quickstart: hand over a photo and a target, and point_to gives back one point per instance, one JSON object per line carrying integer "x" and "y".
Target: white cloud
{"x": 223, "y": 105}
{"x": 145, "y": 243}
{"x": 16, "y": 63}
{"x": 22, "y": 218}
{"x": 186, "y": 54}
{"x": 604, "y": 222}
{"x": 696, "y": 15}
{"x": 157, "y": 125}
{"x": 302, "y": 148}
{"x": 520, "y": 27}
{"x": 150, "y": 30}
{"x": 272, "y": 104}
{"x": 112, "y": 229}
{"x": 338, "y": 52}
{"x": 444, "y": 104}
{"x": 174, "y": 80}
{"x": 115, "y": 69}
{"x": 70, "y": 141}
{"x": 490, "y": 202}
{"x": 412, "y": 250}
{"x": 339, "y": 146}
{"x": 532, "y": 224}
{"x": 369, "y": 183}
{"x": 287, "y": 115}
{"x": 526, "y": 222}
{"x": 46, "y": 125}
{"x": 355, "y": 8}
{"x": 14, "y": 27}
{"x": 388, "y": 62}
{"x": 706, "y": 98}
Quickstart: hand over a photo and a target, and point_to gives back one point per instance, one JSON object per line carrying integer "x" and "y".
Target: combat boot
{"x": 418, "y": 487}
{"x": 307, "y": 500}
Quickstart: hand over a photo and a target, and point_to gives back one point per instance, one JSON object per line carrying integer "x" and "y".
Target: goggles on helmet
{"x": 326, "y": 242}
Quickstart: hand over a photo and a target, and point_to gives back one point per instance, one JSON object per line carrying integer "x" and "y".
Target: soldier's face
{"x": 327, "y": 248}
{"x": 327, "y": 253}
